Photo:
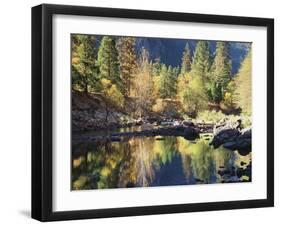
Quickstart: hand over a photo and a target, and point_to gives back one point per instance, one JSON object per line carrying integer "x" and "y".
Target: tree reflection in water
{"x": 145, "y": 161}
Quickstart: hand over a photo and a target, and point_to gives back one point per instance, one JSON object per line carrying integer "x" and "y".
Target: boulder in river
{"x": 190, "y": 133}
{"x": 246, "y": 133}
{"x": 224, "y": 136}
{"x": 233, "y": 139}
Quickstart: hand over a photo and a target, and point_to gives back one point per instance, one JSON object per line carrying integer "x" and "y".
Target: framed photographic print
{"x": 147, "y": 112}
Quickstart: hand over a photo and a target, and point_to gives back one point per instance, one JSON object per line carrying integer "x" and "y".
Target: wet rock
{"x": 180, "y": 129}
{"x": 205, "y": 127}
{"x": 243, "y": 144}
{"x": 190, "y": 133}
{"x": 246, "y": 133}
{"x": 224, "y": 136}
{"x": 225, "y": 124}
{"x": 233, "y": 139}
{"x": 188, "y": 123}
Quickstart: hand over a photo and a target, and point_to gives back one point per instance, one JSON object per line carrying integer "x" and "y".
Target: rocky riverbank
{"x": 88, "y": 113}
{"x": 188, "y": 132}
{"x": 232, "y": 136}
{"x": 229, "y": 135}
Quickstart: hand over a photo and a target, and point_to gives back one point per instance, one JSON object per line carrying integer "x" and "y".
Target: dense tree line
{"x": 112, "y": 67}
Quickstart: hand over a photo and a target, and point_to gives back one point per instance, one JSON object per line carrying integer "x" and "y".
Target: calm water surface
{"x": 147, "y": 161}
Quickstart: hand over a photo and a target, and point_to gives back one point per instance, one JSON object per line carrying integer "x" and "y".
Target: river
{"x": 155, "y": 161}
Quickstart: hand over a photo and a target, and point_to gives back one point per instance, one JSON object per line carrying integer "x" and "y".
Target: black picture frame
{"x": 42, "y": 197}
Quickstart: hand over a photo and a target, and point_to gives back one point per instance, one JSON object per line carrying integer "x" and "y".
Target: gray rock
{"x": 246, "y": 133}
{"x": 190, "y": 133}
{"x": 244, "y": 144}
{"x": 224, "y": 136}
{"x": 232, "y": 139}
{"x": 187, "y": 123}
{"x": 225, "y": 124}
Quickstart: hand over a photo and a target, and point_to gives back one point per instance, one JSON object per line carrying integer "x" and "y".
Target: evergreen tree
{"x": 168, "y": 86}
{"x": 127, "y": 61}
{"x": 186, "y": 60}
{"x": 84, "y": 71}
{"x": 176, "y": 72}
{"x": 221, "y": 72}
{"x": 156, "y": 67}
{"x": 108, "y": 61}
{"x": 172, "y": 79}
{"x": 243, "y": 82}
{"x": 194, "y": 97}
{"x": 201, "y": 62}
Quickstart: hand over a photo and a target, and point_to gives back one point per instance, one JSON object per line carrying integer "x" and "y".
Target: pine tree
{"x": 186, "y": 60}
{"x": 108, "y": 61}
{"x": 201, "y": 62}
{"x": 176, "y": 72}
{"x": 194, "y": 97}
{"x": 221, "y": 72}
{"x": 168, "y": 79}
{"x": 243, "y": 82}
{"x": 127, "y": 61}
{"x": 156, "y": 67}
{"x": 83, "y": 64}
{"x": 172, "y": 82}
